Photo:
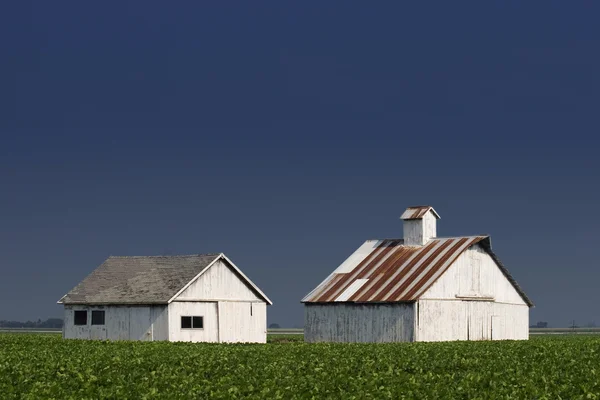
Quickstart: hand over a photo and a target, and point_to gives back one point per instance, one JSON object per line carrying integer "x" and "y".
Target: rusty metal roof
{"x": 418, "y": 212}
{"x": 387, "y": 271}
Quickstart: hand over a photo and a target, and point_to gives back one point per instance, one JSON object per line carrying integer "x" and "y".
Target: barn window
{"x": 80, "y": 317}
{"x": 194, "y": 322}
{"x": 197, "y": 322}
{"x": 97, "y": 317}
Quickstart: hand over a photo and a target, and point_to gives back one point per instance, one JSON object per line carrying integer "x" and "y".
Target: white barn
{"x": 419, "y": 288}
{"x": 193, "y": 298}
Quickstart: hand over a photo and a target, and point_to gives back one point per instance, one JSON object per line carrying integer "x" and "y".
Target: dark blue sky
{"x": 286, "y": 134}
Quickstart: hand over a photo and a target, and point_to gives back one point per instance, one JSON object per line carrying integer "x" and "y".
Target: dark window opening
{"x": 80, "y": 317}
{"x": 250, "y": 309}
{"x": 97, "y": 317}
{"x": 196, "y": 322}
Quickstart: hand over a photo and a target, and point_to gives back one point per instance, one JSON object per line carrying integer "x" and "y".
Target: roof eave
{"x": 487, "y": 245}
{"x": 113, "y": 303}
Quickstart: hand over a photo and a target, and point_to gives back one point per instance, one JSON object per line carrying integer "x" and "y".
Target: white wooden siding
{"x": 207, "y": 310}
{"x": 474, "y": 273}
{"x": 224, "y": 321}
{"x": 418, "y": 231}
{"x": 120, "y": 323}
{"x": 358, "y": 322}
{"x": 219, "y": 282}
{"x": 444, "y": 320}
{"x": 242, "y": 322}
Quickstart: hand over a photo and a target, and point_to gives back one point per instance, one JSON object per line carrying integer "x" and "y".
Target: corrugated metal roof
{"x": 418, "y": 212}
{"x": 356, "y": 285}
{"x": 392, "y": 272}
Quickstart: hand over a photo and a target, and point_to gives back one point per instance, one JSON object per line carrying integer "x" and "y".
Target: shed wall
{"x": 242, "y": 322}
{"x": 208, "y": 310}
{"x": 120, "y": 323}
{"x": 474, "y": 273}
{"x": 224, "y": 321}
{"x": 348, "y": 322}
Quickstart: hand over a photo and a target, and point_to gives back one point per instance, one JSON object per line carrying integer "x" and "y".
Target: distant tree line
{"x": 540, "y": 324}
{"x": 49, "y": 323}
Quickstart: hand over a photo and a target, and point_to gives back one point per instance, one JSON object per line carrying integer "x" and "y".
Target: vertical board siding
{"x": 120, "y": 323}
{"x": 160, "y": 323}
{"x": 429, "y": 226}
{"x": 418, "y": 231}
{"x": 208, "y": 310}
{"x": 413, "y": 232}
{"x": 140, "y": 324}
{"x": 219, "y": 282}
{"x": 445, "y": 320}
{"x": 474, "y": 273}
{"x": 349, "y": 322}
{"x": 242, "y": 322}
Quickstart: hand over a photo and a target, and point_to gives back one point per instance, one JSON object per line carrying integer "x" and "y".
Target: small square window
{"x": 186, "y": 322}
{"x": 97, "y": 317}
{"x": 197, "y": 322}
{"x": 80, "y": 317}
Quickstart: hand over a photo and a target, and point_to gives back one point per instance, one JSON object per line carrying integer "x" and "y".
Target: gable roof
{"x": 418, "y": 212}
{"x": 387, "y": 271}
{"x": 146, "y": 279}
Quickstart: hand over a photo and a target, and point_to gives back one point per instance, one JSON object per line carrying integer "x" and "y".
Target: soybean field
{"x": 36, "y": 366}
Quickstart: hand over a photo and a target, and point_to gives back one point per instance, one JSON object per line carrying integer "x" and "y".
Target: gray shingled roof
{"x": 138, "y": 280}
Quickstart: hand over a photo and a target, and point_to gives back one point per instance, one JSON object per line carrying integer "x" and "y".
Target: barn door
{"x": 140, "y": 325}
{"x": 478, "y": 320}
{"x": 497, "y": 328}
{"x": 235, "y": 321}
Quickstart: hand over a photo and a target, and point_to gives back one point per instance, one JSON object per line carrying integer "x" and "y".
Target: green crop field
{"x": 36, "y": 366}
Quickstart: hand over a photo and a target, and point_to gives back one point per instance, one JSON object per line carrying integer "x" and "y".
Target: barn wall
{"x": 120, "y": 323}
{"x": 219, "y": 282}
{"x": 242, "y": 322}
{"x": 208, "y": 310}
{"x": 347, "y": 322}
{"x": 474, "y": 273}
{"x": 444, "y": 320}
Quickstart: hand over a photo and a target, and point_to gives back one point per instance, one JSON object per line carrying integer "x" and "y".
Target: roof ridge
{"x": 437, "y": 237}
{"x": 170, "y": 256}
{"x": 461, "y": 236}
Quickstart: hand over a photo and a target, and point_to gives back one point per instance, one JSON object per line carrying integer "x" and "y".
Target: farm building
{"x": 418, "y": 288}
{"x": 195, "y": 298}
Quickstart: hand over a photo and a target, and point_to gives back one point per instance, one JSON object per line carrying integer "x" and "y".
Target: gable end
{"x": 239, "y": 275}
{"x": 486, "y": 245}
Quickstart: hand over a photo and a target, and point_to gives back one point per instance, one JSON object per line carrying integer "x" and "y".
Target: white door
{"x": 478, "y": 320}
{"x": 237, "y": 322}
{"x": 497, "y": 328}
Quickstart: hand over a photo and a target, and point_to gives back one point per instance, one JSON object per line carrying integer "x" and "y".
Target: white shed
{"x": 193, "y": 298}
{"x": 419, "y": 288}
